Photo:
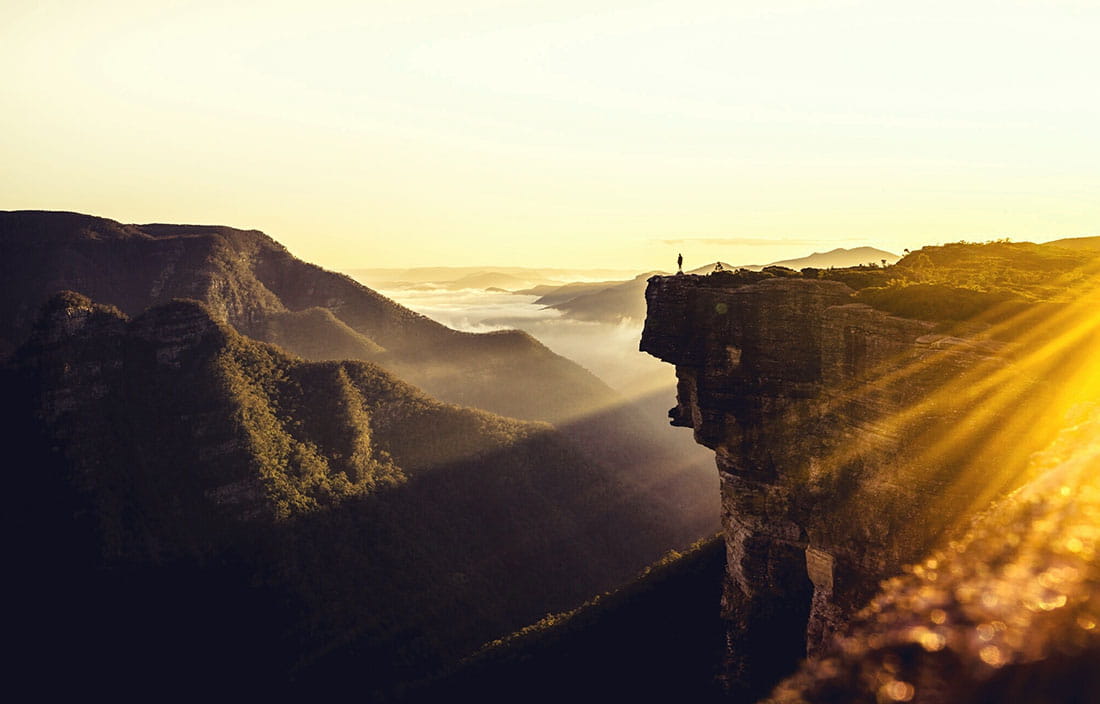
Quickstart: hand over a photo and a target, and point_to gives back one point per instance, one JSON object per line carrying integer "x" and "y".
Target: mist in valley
{"x": 608, "y": 350}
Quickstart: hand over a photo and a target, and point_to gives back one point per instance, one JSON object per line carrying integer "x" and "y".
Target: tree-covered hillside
{"x": 172, "y": 466}
{"x": 658, "y": 638}
{"x": 249, "y": 281}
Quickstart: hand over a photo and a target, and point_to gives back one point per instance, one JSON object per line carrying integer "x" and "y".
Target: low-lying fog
{"x": 610, "y": 351}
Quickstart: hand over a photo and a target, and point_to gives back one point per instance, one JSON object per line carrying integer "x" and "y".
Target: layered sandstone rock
{"x": 829, "y": 423}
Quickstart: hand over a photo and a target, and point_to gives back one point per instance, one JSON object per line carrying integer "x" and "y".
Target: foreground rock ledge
{"x": 848, "y": 442}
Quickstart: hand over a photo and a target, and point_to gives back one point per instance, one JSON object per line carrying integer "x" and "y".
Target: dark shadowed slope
{"x": 189, "y": 498}
{"x": 659, "y": 638}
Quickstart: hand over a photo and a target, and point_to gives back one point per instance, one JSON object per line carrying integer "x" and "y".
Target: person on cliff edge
{"x": 679, "y": 263}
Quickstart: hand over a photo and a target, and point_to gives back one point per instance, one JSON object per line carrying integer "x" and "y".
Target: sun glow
{"x": 985, "y": 420}
{"x": 606, "y": 134}
{"x": 1016, "y": 587}
{"x": 1001, "y": 459}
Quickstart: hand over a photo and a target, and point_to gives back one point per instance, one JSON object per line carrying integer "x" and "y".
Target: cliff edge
{"x": 849, "y": 442}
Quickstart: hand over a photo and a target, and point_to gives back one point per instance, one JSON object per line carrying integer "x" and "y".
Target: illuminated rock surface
{"x": 1010, "y": 611}
{"x": 848, "y": 441}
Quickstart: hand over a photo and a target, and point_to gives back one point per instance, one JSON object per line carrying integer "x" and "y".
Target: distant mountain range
{"x": 542, "y": 280}
{"x": 839, "y": 258}
{"x": 1077, "y": 243}
{"x": 253, "y": 283}
{"x": 340, "y": 525}
{"x": 591, "y": 299}
{"x": 479, "y": 277}
{"x": 607, "y": 303}
{"x": 619, "y": 300}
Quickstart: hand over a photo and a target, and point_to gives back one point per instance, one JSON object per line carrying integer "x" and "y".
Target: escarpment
{"x": 848, "y": 441}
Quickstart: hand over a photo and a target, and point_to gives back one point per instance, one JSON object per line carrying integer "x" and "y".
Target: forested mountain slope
{"x": 180, "y": 484}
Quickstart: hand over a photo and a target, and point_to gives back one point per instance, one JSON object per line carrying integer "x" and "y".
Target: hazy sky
{"x": 559, "y": 133}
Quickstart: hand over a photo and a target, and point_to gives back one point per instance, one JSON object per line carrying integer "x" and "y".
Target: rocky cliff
{"x": 848, "y": 441}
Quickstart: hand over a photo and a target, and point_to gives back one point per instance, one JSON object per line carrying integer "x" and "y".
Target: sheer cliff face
{"x": 826, "y": 419}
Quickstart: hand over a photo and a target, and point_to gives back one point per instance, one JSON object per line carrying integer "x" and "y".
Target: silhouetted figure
{"x": 679, "y": 263}
{"x": 718, "y": 267}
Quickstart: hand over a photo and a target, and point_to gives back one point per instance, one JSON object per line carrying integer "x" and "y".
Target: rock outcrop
{"x": 1006, "y": 610}
{"x": 847, "y": 442}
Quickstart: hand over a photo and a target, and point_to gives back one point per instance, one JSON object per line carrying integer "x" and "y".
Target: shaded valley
{"x": 326, "y": 520}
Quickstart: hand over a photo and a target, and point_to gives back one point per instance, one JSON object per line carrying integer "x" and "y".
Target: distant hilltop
{"x": 480, "y": 277}
{"x": 612, "y": 301}
{"x": 839, "y": 258}
{"x": 835, "y": 258}
{"x": 523, "y": 279}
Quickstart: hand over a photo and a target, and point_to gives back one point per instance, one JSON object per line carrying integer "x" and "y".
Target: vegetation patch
{"x": 962, "y": 281}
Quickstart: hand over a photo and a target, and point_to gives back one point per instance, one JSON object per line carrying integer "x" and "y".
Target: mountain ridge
{"x": 252, "y": 282}
{"x": 187, "y": 445}
{"x": 616, "y": 301}
{"x": 256, "y": 285}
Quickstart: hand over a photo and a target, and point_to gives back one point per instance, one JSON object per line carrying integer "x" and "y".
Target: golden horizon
{"x": 598, "y": 136}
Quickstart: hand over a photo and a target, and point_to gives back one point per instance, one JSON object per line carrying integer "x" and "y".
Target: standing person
{"x": 679, "y": 263}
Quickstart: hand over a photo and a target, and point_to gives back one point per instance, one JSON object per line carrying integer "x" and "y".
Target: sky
{"x": 565, "y": 134}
